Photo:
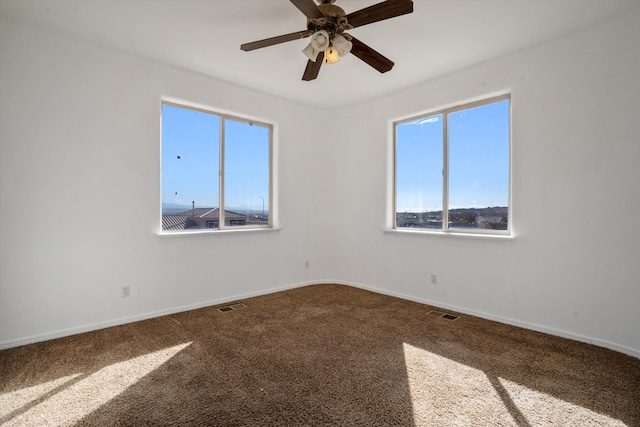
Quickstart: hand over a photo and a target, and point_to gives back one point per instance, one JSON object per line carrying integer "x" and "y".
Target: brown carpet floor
{"x": 320, "y": 355}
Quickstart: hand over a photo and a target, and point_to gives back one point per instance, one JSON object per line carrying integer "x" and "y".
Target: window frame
{"x": 223, "y": 116}
{"x": 445, "y": 171}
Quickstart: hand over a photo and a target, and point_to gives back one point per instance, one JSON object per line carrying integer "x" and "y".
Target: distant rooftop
{"x": 211, "y": 213}
{"x": 174, "y": 222}
{"x": 186, "y": 219}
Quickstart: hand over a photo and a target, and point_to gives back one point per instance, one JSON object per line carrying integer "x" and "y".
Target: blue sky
{"x": 478, "y": 159}
{"x": 191, "y": 160}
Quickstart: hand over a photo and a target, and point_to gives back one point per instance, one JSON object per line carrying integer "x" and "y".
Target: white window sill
{"x": 450, "y": 235}
{"x": 224, "y": 232}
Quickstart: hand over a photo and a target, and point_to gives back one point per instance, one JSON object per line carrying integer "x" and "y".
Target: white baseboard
{"x": 130, "y": 319}
{"x": 525, "y": 325}
{"x": 121, "y": 321}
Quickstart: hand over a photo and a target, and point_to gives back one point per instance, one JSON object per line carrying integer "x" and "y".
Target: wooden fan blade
{"x": 309, "y": 8}
{"x": 313, "y": 68}
{"x": 379, "y": 12}
{"x": 370, "y": 56}
{"x": 275, "y": 40}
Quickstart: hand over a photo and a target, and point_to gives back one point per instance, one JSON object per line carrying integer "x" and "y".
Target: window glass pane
{"x": 246, "y": 170}
{"x": 479, "y": 167}
{"x": 190, "y": 168}
{"x": 419, "y": 173}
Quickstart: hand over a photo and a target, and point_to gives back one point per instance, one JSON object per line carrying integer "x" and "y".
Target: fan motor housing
{"x": 334, "y": 20}
{"x": 331, "y": 9}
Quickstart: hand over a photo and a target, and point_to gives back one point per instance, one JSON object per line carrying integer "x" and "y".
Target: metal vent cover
{"x": 442, "y": 315}
{"x": 232, "y": 307}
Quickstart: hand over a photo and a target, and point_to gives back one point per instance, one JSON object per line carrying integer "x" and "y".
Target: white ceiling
{"x": 439, "y": 37}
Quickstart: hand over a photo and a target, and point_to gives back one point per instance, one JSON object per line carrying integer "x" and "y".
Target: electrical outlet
{"x": 434, "y": 279}
{"x": 126, "y": 291}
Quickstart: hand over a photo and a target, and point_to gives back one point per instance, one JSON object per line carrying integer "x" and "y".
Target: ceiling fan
{"x": 326, "y": 25}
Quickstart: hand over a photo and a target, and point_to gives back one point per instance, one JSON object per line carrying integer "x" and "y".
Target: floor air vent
{"x": 232, "y": 307}
{"x": 443, "y": 315}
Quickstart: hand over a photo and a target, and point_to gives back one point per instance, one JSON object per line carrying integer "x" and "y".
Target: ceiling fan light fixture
{"x": 310, "y": 52}
{"x": 326, "y": 26}
{"x": 331, "y": 55}
{"x": 342, "y": 45}
{"x": 320, "y": 40}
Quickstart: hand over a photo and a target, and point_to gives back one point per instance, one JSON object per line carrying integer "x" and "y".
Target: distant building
{"x": 480, "y": 218}
{"x": 199, "y": 218}
{"x": 492, "y": 222}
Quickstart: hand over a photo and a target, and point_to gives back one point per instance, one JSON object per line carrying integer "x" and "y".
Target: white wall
{"x": 573, "y": 268}
{"x": 79, "y": 193}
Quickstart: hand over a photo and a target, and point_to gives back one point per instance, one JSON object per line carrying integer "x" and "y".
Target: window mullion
{"x": 221, "y": 222}
{"x": 445, "y": 172}
{"x": 395, "y": 177}
{"x": 269, "y": 221}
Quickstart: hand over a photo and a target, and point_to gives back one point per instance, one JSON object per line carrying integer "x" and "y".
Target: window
{"x": 216, "y": 170}
{"x": 452, "y": 169}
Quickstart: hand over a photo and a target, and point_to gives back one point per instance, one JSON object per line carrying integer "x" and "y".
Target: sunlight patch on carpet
{"x": 445, "y": 392}
{"x": 77, "y": 400}
{"x": 12, "y": 401}
{"x": 544, "y": 409}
